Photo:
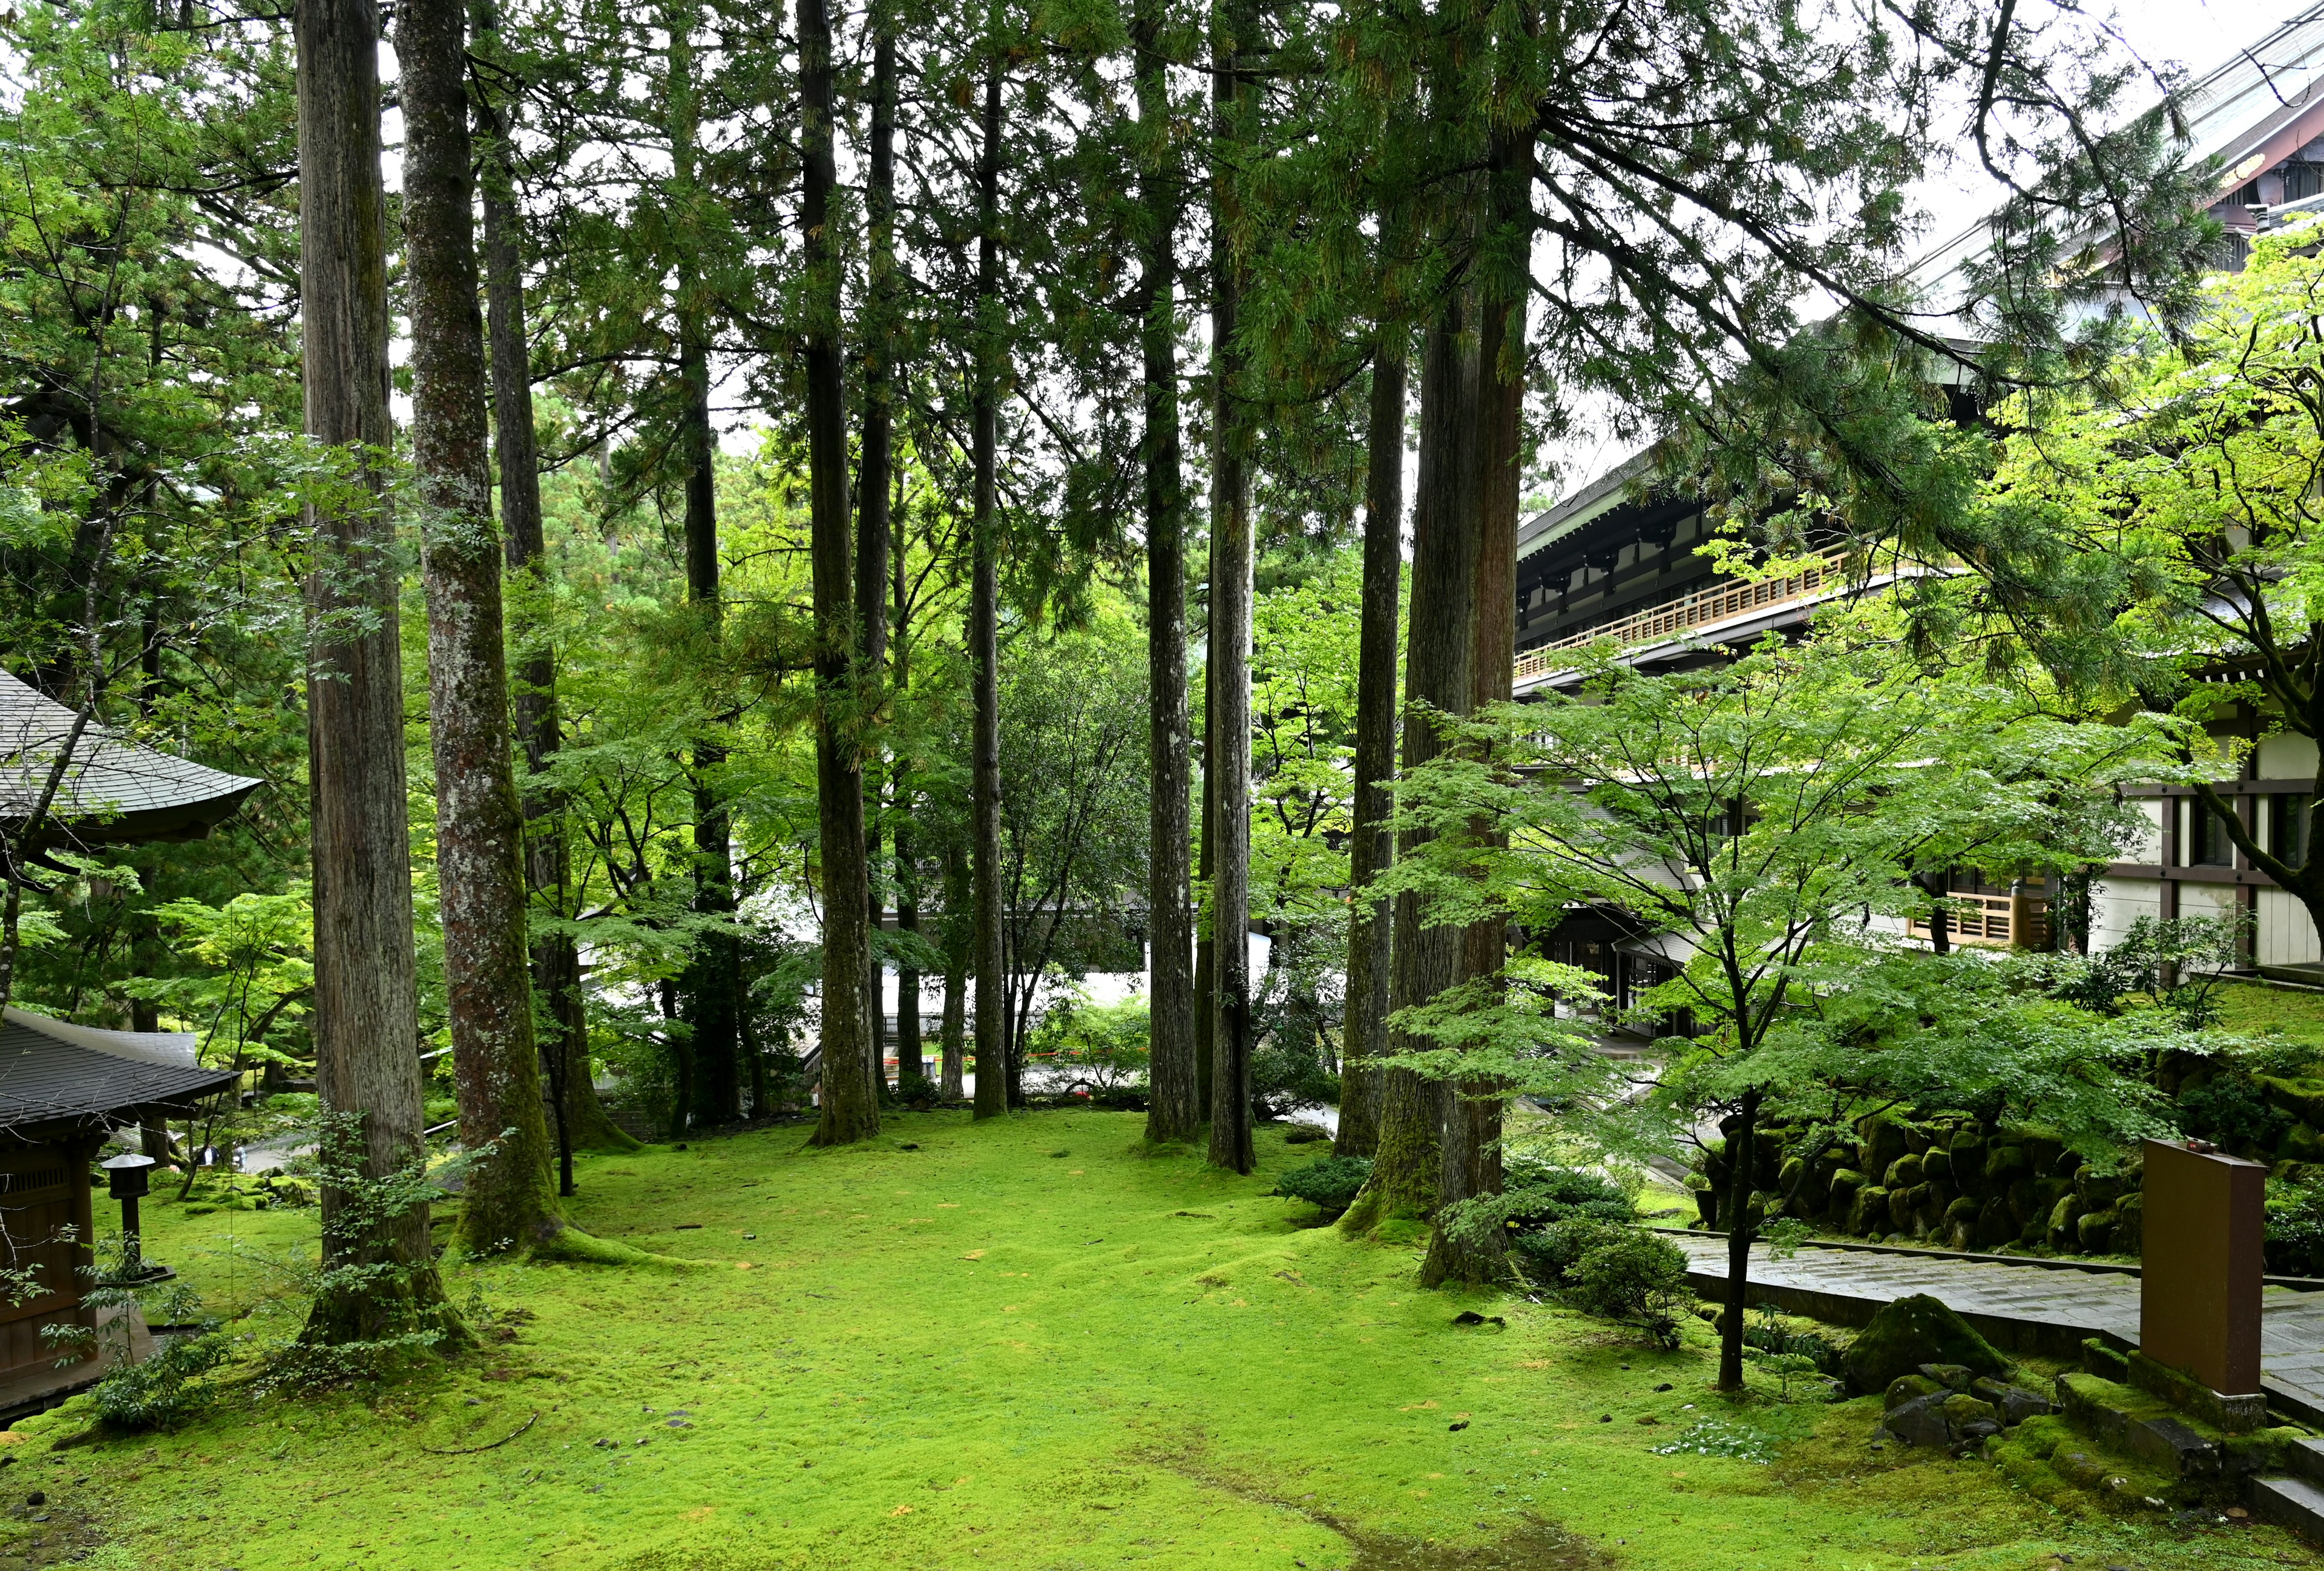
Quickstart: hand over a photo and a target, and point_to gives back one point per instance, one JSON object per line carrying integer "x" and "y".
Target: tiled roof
{"x": 114, "y": 788}
{"x": 51, "y": 1071}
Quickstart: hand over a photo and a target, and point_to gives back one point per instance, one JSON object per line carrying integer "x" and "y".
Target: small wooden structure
{"x": 63, "y": 1088}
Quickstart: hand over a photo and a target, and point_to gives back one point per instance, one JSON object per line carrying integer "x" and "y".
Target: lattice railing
{"x": 1700, "y": 609}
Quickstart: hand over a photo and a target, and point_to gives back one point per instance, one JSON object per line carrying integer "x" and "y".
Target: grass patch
{"x": 975, "y": 1356}
{"x": 2254, "y": 1010}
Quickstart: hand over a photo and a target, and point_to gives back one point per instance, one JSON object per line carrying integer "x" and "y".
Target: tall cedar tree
{"x": 874, "y": 484}
{"x": 479, "y": 825}
{"x": 1372, "y": 845}
{"x": 851, "y": 1112}
{"x": 1174, "y": 1114}
{"x": 710, "y": 1087}
{"x": 1234, "y": 93}
{"x": 576, "y": 1117}
{"x": 1438, "y": 680}
{"x": 991, "y": 965}
{"x": 366, "y": 1006}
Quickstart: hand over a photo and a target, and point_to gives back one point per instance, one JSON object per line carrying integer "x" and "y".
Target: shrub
{"x": 2295, "y": 1229}
{"x": 161, "y": 1391}
{"x": 918, "y": 1092}
{"x": 1329, "y": 1182}
{"x": 1632, "y": 1276}
{"x": 1535, "y": 1195}
{"x": 2229, "y": 1109}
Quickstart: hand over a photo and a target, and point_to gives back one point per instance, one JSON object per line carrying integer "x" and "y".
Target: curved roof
{"x": 53, "y": 1072}
{"x": 114, "y": 789}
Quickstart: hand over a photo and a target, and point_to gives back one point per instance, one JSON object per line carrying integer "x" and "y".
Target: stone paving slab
{"x": 2024, "y": 1309}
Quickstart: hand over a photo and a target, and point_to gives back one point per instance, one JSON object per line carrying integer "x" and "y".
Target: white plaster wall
{"x": 2146, "y": 838}
{"x": 2206, "y": 900}
{"x": 2116, "y": 903}
{"x": 2287, "y": 934}
{"x": 2287, "y": 758}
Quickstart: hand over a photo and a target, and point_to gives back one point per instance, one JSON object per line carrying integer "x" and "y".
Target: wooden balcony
{"x": 1993, "y": 921}
{"x": 1703, "y": 608}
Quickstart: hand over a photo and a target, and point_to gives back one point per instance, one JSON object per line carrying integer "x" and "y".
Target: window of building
{"x": 2208, "y": 837}
{"x": 2289, "y": 832}
{"x": 2302, "y": 180}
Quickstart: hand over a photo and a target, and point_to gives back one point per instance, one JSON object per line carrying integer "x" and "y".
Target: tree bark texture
{"x": 1371, "y": 847}
{"x": 1439, "y": 652}
{"x": 1230, "y": 616}
{"x": 578, "y": 1119}
{"x": 1174, "y": 1113}
{"x": 910, "y": 1051}
{"x": 1207, "y": 948}
{"x": 959, "y": 931}
{"x": 1742, "y": 1162}
{"x": 366, "y": 1004}
{"x": 992, "y": 966}
{"x": 850, "y": 1112}
{"x": 711, "y": 1087}
{"x": 873, "y": 539}
{"x": 479, "y": 827}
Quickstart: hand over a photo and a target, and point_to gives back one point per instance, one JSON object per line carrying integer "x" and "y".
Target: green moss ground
{"x": 1025, "y": 1343}
{"x": 2250, "y": 1009}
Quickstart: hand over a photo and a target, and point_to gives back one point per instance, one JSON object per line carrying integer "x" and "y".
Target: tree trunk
{"x": 1471, "y": 1166}
{"x": 850, "y": 1112}
{"x": 366, "y": 1005}
{"x": 1439, "y": 652}
{"x": 1231, "y": 618}
{"x": 908, "y": 1048}
{"x": 508, "y": 1202}
{"x": 1174, "y": 1113}
{"x": 873, "y": 539}
{"x": 985, "y": 633}
{"x": 1372, "y": 846}
{"x": 579, "y": 1119}
{"x": 958, "y": 936}
{"x": 713, "y": 1083}
{"x": 1742, "y": 1159}
{"x": 1207, "y": 948}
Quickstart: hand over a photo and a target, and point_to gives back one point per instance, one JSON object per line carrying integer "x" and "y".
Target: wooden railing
{"x": 1700, "y": 609}
{"x": 1996, "y": 921}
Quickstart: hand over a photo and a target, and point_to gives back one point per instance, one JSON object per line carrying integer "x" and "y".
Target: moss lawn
{"x": 1030, "y": 1343}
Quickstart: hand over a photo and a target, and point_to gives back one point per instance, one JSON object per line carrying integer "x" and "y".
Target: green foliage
{"x": 1620, "y": 1272}
{"x": 2295, "y": 1229}
{"x": 1329, "y": 1182}
{"x": 1100, "y": 1049}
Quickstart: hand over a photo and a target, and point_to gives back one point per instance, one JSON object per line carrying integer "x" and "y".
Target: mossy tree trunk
{"x": 1471, "y": 1167}
{"x": 1233, "y": 93}
{"x": 850, "y": 1112}
{"x": 1174, "y": 1113}
{"x": 959, "y": 933}
{"x": 577, "y": 1118}
{"x": 1372, "y": 846}
{"x": 1439, "y": 654}
{"x": 508, "y": 1201}
{"x": 366, "y": 1004}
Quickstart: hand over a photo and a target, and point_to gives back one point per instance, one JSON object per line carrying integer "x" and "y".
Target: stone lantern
{"x": 128, "y": 1179}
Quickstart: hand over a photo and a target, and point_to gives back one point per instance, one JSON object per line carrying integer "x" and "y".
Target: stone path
{"x": 2026, "y": 1308}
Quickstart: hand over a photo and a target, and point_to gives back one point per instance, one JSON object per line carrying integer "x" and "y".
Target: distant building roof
{"x": 114, "y": 789}
{"x": 53, "y": 1072}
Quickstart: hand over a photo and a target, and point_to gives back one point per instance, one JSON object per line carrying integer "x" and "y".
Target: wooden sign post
{"x": 2199, "y": 1289}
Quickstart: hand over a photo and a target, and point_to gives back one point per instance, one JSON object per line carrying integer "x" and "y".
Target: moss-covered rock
{"x": 1905, "y": 1386}
{"x": 1912, "y": 1332}
{"x": 2004, "y": 1165}
{"x": 1967, "y": 1156}
{"x": 2094, "y": 1231}
{"x": 1938, "y": 1164}
{"x": 2060, "y": 1231}
{"x": 1904, "y": 1172}
{"x": 2130, "y": 1224}
{"x": 1869, "y": 1211}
